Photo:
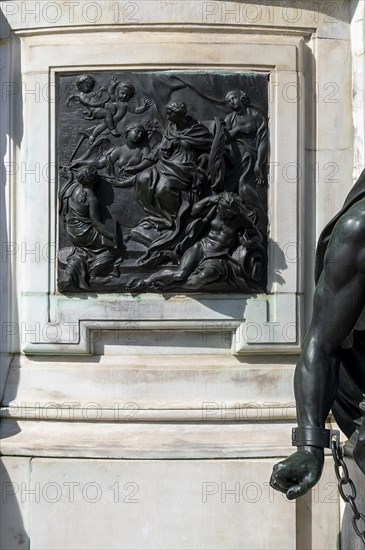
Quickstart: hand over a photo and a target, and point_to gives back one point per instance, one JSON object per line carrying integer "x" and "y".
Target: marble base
{"x": 169, "y": 504}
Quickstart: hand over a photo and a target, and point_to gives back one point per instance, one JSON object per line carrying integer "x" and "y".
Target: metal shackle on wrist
{"x": 313, "y": 436}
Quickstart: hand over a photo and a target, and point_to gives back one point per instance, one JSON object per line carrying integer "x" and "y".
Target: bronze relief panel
{"x": 163, "y": 182}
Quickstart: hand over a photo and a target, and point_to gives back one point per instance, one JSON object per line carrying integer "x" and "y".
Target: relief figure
{"x": 167, "y": 185}
{"x": 97, "y": 106}
{"x": 227, "y": 226}
{"x": 247, "y": 138}
{"x": 116, "y": 160}
{"x": 94, "y": 251}
{"x": 111, "y": 109}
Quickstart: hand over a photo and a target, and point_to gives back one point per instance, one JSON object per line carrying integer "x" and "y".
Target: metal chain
{"x": 344, "y": 479}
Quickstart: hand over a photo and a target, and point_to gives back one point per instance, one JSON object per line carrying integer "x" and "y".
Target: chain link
{"x": 344, "y": 479}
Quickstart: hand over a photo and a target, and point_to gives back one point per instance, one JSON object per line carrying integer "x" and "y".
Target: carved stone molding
{"x": 41, "y": 303}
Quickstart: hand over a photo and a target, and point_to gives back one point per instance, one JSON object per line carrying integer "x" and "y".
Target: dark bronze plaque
{"x": 162, "y": 182}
